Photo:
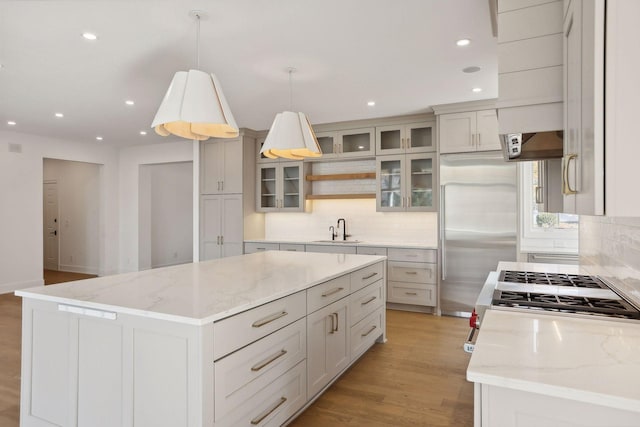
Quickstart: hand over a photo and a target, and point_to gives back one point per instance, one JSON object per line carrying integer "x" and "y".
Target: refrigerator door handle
{"x": 442, "y": 233}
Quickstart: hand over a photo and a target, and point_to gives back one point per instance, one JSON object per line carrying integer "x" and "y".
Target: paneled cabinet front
{"x": 221, "y": 171}
{"x": 280, "y": 187}
{"x": 411, "y": 138}
{"x": 346, "y": 143}
{"x": 221, "y": 226}
{"x": 406, "y": 183}
{"x": 469, "y": 131}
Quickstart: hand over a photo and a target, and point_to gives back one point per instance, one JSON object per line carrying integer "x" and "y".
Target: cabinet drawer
{"x": 413, "y": 255}
{"x": 252, "y": 247}
{"x": 411, "y": 293}
{"x": 292, "y": 247}
{"x": 237, "y": 331}
{"x": 273, "y": 404}
{"x": 241, "y": 374}
{"x": 364, "y": 334}
{"x": 366, "y": 301}
{"x": 366, "y": 276}
{"x": 414, "y": 272}
{"x": 327, "y": 292}
{"x": 335, "y": 248}
{"x": 371, "y": 250}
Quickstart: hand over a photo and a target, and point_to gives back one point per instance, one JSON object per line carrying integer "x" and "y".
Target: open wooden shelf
{"x": 341, "y": 176}
{"x": 341, "y": 196}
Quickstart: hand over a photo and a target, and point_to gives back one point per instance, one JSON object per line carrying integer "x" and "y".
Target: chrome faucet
{"x": 344, "y": 228}
{"x": 332, "y": 229}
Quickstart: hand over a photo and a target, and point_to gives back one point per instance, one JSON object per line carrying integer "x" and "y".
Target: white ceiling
{"x": 399, "y": 53}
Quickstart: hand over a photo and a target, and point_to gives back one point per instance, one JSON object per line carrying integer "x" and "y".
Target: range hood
{"x": 532, "y": 146}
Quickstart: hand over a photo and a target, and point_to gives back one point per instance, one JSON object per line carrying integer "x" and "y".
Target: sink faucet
{"x": 332, "y": 229}
{"x": 344, "y": 228}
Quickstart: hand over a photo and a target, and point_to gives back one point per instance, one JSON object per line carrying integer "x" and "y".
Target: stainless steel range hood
{"x": 532, "y": 146}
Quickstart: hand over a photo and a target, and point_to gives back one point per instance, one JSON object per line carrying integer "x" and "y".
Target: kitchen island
{"x": 247, "y": 340}
{"x": 533, "y": 368}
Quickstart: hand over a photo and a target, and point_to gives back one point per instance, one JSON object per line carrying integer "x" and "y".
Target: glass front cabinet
{"x": 346, "y": 144}
{"x": 406, "y": 183}
{"x": 410, "y": 138}
{"x": 281, "y": 187}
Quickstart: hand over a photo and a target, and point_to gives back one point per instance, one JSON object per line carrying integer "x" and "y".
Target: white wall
{"x": 78, "y": 186}
{"x": 166, "y": 214}
{"x": 21, "y": 177}
{"x": 363, "y": 223}
{"x": 130, "y": 160}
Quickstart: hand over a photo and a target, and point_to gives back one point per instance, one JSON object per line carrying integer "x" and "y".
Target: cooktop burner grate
{"x": 553, "y": 279}
{"x": 566, "y": 304}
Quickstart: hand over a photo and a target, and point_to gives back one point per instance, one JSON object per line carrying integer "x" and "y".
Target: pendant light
{"x": 194, "y": 106}
{"x": 291, "y": 135}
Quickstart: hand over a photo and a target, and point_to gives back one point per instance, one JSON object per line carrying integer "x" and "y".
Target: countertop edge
{"x": 348, "y": 243}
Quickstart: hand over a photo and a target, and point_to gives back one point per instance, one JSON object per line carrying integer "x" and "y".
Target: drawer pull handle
{"x": 373, "y": 328}
{"x": 412, "y": 255}
{"x": 411, "y": 272}
{"x": 269, "y": 360}
{"x": 368, "y": 301}
{"x": 334, "y": 326}
{"x": 332, "y": 291}
{"x": 369, "y": 276}
{"x": 411, "y": 293}
{"x": 266, "y": 413}
{"x": 260, "y": 249}
{"x": 268, "y": 319}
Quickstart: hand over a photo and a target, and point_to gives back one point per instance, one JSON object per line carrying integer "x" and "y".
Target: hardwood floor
{"x": 51, "y": 276}
{"x": 416, "y": 379}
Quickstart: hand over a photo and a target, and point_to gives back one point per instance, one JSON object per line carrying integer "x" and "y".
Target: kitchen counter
{"x": 203, "y": 292}
{"x": 389, "y": 244}
{"x": 586, "y": 360}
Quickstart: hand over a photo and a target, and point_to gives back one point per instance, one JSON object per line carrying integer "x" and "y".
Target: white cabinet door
{"x": 232, "y": 166}
{"x": 221, "y": 226}
{"x": 457, "y": 132}
{"x": 391, "y": 183}
{"x": 356, "y": 142}
{"x": 487, "y": 131}
{"x": 328, "y": 344}
{"x": 328, "y": 142}
{"x": 232, "y": 225}
{"x": 221, "y": 166}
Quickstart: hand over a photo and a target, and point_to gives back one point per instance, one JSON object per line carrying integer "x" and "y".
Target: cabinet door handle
{"x": 402, "y": 143}
{"x": 268, "y": 319}
{"x": 472, "y": 139}
{"x": 268, "y": 411}
{"x": 373, "y": 328}
{"x": 368, "y": 301}
{"x": 268, "y": 360}
{"x": 222, "y": 240}
{"x": 479, "y": 139}
{"x": 333, "y": 326}
{"x": 408, "y": 143}
{"x": 222, "y": 185}
{"x": 337, "y": 322}
{"x": 411, "y": 272}
{"x": 411, "y": 293}
{"x": 369, "y": 276}
{"x": 332, "y": 291}
{"x": 218, "y": 240}
{"x": 566, "y": 186}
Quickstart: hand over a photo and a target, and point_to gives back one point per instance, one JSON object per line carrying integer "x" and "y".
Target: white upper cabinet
{"x": 468, "y": 131}
{"x": 281, "y": 187}
{"x": 410, "y": 138}
{"x": 346, "y": 143}
{"x": 222, "y": 166}
{"x": 406, "y": 183}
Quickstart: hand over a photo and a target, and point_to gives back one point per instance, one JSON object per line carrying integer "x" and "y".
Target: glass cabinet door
{"x": 390, "y": 183}
{"x": 421, "y": 178}
{"x": 420, "y": 137}
{"x": 267, "y": 188}
{"x": 328, "y": 142}
{"x": 356, "y": 143}
{"x": 291, "y": 187}
{"x": 390, "y": 139}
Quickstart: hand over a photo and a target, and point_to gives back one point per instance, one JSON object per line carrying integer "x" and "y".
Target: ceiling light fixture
{"x": 143, "y": 132}
{"x": 89, "y": 36}
{"x": 194, "y": 106}
{"x": 371, "y": 103}
{"x": 99, "y": 138}
{"x": 11, "y": 123}
{"x": 476, "y": 89}
{"x": 129, "y": 102}
{"x": 59, "y": 115}
{"x": 463, "y": 42}
{"x": 291, "y": 135}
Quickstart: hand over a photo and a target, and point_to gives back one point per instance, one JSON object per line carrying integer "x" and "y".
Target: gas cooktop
{"x": 552, "y": 279}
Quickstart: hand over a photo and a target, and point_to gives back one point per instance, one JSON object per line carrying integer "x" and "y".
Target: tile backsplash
{"x": 610, "y": 248}
{"x": 363, "y": 223}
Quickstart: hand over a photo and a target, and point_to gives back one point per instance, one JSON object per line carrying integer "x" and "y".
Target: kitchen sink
{"x": 337, "y": 241}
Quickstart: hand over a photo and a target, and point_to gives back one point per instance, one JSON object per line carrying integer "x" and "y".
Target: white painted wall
{"x": 78, "y": 186}
{"x": 363, "y": 223}
{"x": 166, "y": 214}
{"x": 130, "y": 160}
{"x": 21, "y": 177}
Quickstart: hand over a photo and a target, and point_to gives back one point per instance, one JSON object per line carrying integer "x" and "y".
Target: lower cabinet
{"x": 412, "y": 276}
{"x": 221, "y": 226}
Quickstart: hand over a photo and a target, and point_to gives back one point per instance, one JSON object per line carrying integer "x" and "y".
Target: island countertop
{"x": 204, "y": 292}
{"x": 589, "y": 360}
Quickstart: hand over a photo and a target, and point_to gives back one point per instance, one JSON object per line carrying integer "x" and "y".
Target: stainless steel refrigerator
{"x": 478, "y": 224}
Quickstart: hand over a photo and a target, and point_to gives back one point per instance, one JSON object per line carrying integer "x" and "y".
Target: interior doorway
{"x": 71, "y": 216}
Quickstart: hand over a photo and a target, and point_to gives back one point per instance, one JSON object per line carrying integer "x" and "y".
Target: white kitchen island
{"x": 246, "y": 340}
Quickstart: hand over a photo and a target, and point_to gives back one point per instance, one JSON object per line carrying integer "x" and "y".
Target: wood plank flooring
{"x": 416, "y": 379}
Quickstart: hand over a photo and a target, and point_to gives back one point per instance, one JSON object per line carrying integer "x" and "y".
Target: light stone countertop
{"x": 589, "y": 360}
{"x": 200, "y": 293}
{"x": 389, "y": 244}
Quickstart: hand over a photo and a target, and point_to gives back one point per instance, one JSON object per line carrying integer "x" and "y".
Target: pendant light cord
{"x": 291, "y": 70}
{"x": 198, "y": 42}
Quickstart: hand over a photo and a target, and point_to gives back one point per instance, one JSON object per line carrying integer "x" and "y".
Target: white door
{"x": 457, "y": 132}
{"x": 232, "y": 225}
{"x": 50, "y": 229}
{"x": 487, "y": 127}
{"x": 210, "y": 227}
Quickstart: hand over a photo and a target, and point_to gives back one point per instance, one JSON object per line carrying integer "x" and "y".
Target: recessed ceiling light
{"x": 59, "y": 115}
{"x": 99, "y": 138}
{"x": 142, "y": 132}
{"x": 472, "y": 69}
{"x": 129, "y": 102}
{"x": 477, "y": 89}
{"x": 463, "y": 42}
{"x": 11, "y": 123}
{"x": 89, "y": 36}
{"x": 371, "y": 103}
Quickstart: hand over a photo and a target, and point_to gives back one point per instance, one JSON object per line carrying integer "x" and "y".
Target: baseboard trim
{"x": 78, "y": 269}
{"x": 6, "y": 288}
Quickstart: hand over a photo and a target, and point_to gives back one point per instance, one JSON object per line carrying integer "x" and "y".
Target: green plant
{"x": 546, "y": 220}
